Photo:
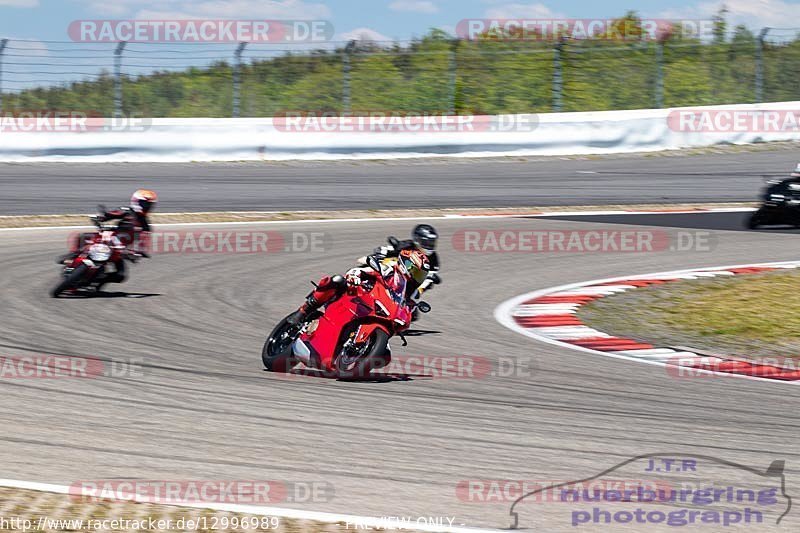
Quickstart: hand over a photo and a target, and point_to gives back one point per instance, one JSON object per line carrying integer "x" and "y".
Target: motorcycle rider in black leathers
{"x": 423, "y": 239}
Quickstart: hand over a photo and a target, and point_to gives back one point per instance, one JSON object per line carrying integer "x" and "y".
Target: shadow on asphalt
{"x": 374, "y": 377}
{"x": 87, "y": 295}
{"x": 420, "y": 332}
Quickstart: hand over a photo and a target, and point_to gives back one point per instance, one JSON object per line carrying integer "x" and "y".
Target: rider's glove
{"x": 353, "y": 279}
{"x": 383, "y": 251}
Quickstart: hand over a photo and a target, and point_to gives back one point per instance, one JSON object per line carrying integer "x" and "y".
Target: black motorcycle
{"x": 781, "y": 205}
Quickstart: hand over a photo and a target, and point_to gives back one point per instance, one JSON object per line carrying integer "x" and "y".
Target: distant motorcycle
{"x": 780, "y": 205}
{"x": 93, "y": 267}
{"x": 350, "y": 337}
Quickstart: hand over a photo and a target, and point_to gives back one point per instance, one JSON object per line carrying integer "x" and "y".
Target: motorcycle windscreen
{"x": 396, "y": 287}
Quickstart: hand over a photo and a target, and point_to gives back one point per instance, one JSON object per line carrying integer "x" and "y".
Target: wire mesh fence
{"x": 435, "y": 74}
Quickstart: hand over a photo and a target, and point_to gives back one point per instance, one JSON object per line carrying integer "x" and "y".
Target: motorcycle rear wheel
{"x": 373, "y": 358}
{"x": 276, "y": 355}
{"x": 71, "y": 281}
{"x": 758, "y": 218}
{"x": 753, "y": 222}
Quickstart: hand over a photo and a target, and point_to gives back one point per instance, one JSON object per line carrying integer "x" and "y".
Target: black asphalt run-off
{"x": 717, "y": 221}
{"x": 55, "y": 188}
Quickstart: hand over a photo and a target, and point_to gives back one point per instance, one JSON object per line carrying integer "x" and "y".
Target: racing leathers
{"x": 388, "y": 250}
{"x": 330, "y": 288}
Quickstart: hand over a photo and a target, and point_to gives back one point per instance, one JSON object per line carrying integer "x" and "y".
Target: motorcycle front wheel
{"x": 372, "y": 356}
{"x": 277, "y": 352}
{"x": 71, "y": 281}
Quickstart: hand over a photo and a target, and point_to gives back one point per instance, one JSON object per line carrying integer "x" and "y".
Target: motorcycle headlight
{"x": 100, "y": 252}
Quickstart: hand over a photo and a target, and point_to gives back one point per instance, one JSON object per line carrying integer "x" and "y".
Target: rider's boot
{"x": 119, "y": 276}
{"x": 328, "y": 289}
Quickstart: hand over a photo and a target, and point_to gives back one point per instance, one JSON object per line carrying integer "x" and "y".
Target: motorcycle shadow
{"x": 121, "y": 294}
{"x": 373, "y": 377}
{"x": 776, "y": 227}
{"x": 420, "y": 332}
{"x": 104, "y": 294}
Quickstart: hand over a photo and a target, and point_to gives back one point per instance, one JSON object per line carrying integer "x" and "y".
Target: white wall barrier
{"x": 26, "y": 138}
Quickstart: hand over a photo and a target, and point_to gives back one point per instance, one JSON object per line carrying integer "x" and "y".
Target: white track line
{"x": 355, "y": 522}
{"x": 645, "y": 212}
{"x": 504, "y": 314}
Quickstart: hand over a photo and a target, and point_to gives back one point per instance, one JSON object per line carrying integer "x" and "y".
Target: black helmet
{"x": 425, "y": 236}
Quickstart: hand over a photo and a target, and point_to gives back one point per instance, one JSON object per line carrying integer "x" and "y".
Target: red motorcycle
{"x": 93, "y": 267}
{"x": 350, "y": 337}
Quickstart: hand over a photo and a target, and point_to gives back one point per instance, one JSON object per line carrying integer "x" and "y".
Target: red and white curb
{"x": 550, "y": 315}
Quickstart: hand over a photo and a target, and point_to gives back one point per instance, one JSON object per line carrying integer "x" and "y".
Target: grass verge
{"x": 745, "y": 316}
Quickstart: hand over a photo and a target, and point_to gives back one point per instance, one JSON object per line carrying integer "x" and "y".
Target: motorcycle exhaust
{"x": 301, "y": 352}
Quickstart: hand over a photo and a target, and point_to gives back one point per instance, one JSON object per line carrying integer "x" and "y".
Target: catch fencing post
{"x": 760, "y": 65}
{"x": 237, "y": 69}
{"x": 659, "y": 75}
{"x": 346, "y": 99}
{"x": 451, "y": 84}
{"x": 118, "y": 79}
{"x": 558, "y": 79}
{"x": 3, "y": 44}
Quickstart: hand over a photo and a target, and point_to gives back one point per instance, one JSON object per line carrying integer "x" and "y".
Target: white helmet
{"x": 796, "y": 173}
{"x": 143, "y": 201}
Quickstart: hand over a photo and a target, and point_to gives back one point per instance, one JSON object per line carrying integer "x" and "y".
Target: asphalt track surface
{"x": 202, "y": 408}
{"x": 56, "y": 188}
